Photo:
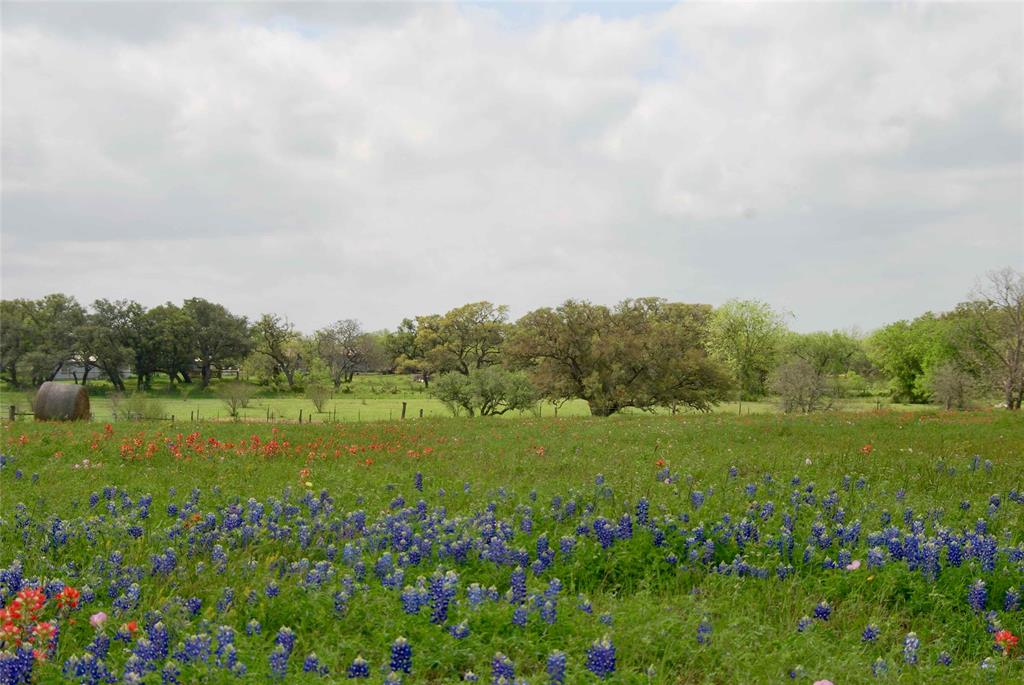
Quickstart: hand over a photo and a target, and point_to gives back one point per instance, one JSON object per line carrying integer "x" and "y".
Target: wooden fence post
{"x": 300, "y": 416}
{"x": 421, "y": 412}
{"x": 12, "y": 413}
{"x": 403, "y": 410}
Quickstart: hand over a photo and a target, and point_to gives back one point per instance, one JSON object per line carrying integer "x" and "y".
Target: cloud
{"x": 853, "y": 163}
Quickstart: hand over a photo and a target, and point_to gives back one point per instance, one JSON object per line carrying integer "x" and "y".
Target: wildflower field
{"x": 852, "y": 548}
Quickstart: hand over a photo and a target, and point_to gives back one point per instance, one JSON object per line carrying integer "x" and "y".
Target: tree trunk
{"x": 601, "y": 408}
{"x": 206, "y": 375}
{"x": 53, "y": 375}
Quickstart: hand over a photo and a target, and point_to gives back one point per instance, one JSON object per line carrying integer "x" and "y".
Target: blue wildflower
{"x": 601, "y": 657}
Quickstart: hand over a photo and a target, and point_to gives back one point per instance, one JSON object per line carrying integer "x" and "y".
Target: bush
{"x": 318, "y": 385}
{"x": 235, "y": 395}
{"x": 800, "y": 387}
{"x": 951, "y": 386}
{"x": 490, "y": 391}
{"x": 136, "y": 406}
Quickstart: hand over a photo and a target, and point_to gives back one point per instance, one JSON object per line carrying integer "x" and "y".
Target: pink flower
{"x": 823, "y": 682}
{"x": 98, "y": 619}
{"x": 853, "y": 565}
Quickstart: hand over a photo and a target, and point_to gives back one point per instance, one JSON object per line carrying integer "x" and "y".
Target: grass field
{"x": 369, "y": 397}
{"x": 706, "y": 548}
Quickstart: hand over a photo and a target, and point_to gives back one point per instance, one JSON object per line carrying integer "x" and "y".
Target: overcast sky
{"x": 853, "y": 164}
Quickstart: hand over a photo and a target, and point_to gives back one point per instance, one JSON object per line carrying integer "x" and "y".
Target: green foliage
{"x": 905, "y": 350}
{"x": 38, "y": 337}
{"x": 465, "y": 338}
{"x": 276, "y": 340}
{"x": 490, "y": 391}
{"x": 644, "y": 354}
{"x": 220, "y": 338}
{"x": 318, "y": 384}
{"x": 236, "y": 396}
{"x": 746, "y": 335}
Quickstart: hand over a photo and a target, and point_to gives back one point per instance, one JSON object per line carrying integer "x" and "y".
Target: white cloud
{"x": 375, "y": 162}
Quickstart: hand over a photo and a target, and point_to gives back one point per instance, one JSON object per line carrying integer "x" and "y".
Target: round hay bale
{"x": 61, "y": 402}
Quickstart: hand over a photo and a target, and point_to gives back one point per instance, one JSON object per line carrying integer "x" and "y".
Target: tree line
{"x": 643, "y": 353}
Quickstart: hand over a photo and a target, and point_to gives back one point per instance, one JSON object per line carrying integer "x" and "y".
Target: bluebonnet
{"x": 823, "y": 611}
{"x": 977, "y": 595}
{"x": 1012, "y": 600}
{"x": 358, "y": 668}
{"x": 944, "y": 659}
{"x": 642, "y": 511}
{"x": 703, "y": 632}
{"x": 518, "y": 583}
{"x": 549, "y": 612}
{"x": 279, "y": 662}
{"x": 910, "y": 645}
{"x": 870, "y": 633}
{"x": 502, "y": 667}
{"x": 193, "y": 605}
{"x": 601, "y": 657}
{"x": 879, "y": 668}
{"x": 169, "y": 673}
{"x": 253, "y": 627}
{"x": 555, "y": 668}
{"x": 401, "y": 655}
{"x": 804, "y": 623}
{"x": 459, "y": 630}
{"x": 312, "y": 665}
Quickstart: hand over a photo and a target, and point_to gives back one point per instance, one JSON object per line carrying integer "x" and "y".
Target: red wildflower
{"x": 1006, "y": 640}
{"x": 68, "y": 597}
{"x": 660, "y": 463}
{"x": 867, "y": 449}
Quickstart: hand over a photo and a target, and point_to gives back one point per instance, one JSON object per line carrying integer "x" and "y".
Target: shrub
{"x": 235, "y": 395}
{"x": 136, "y": 406}
{"x": 799, "y": 386}
{"x": 951, "y": 386}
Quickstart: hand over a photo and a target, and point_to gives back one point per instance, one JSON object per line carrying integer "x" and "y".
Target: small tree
{"x": 136, "y": 406}
{"x": 952, "y": 387}
{"x": 746, "y": 336}
{"x": 235, "y": 395}
{"x": 490, "y": 391}
{"x": 800, "y": 386}
{"x": 319, "y": 385}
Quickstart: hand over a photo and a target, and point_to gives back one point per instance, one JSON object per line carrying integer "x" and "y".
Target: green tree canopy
{"x": 644, "y": 353}
{"x": 746, "y": 335}
{"x": 220, "y": 338}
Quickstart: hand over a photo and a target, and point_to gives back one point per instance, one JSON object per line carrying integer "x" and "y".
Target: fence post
{"x": 12, "y": 413}
{"x": 421, "y": 412}
{"x": 172, "y": 419}
{"x": 403, "y": 410}
{"x": 192, "y": 416}
{"x": 300, "y": 416}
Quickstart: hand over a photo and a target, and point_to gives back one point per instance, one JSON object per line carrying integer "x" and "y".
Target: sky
{"x": 849, "y": 163}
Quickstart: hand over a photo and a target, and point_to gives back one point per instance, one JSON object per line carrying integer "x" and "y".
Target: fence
{"x": 194, "y": 416}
